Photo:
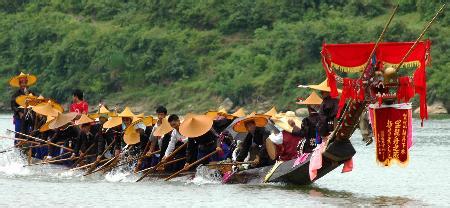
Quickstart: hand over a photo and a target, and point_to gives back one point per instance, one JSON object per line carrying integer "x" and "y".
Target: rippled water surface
{"x": 425, "y": 181}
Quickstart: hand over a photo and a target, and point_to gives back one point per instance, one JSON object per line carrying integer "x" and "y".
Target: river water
{"x": 424, "y": 182}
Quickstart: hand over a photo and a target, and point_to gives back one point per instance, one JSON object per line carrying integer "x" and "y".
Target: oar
{"x": 143, "y": 157}
{"x": 230, "y": 163}
{"x": 94, "y": 164}
{"x": 107, "y": 164}
{"x": 163, "y": 161}
{"x": 167, "y": 163}
{"x": 82, "y": 156}
{"x": 55, "y": 161}
{"x": 88, "y": 165}
{"x": 18, "y": 139}
{"x": 191, "y": 165}
{"x": 41, "y": 140}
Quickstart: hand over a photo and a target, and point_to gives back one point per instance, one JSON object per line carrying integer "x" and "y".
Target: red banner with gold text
{"x": 392, "y": 130}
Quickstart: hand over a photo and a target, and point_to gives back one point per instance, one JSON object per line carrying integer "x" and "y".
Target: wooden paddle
{"x": 94, "y": 164}
{"x": 167, "y": 163}
{"x": 55, "y": 161}
{"x": 41, "y": 140}
{"x": 82, "y": 156}
{"x": 163, "y": 161}
{"x": 112, "y": 161}
{"x": 18, "y": 139}
{"x": 191, "y": 165}
{"x": 138, "y": 164}
{"x": 88, "y": 165}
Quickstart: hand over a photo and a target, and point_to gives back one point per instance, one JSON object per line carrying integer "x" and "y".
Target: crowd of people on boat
{"x": 47, "y": 132}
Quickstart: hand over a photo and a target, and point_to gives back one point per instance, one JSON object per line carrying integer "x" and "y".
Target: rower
{"x": 176, "y": 140}
{"x": 21, "y": 81}
{"x": 255, "y": 140}
{"x": 85, "y": 138}
{"x": 328, "y": 109}
{"x": 202, "y": 139}
{"x": 159, "y": 136}
{"x": 308, "y": 130}
{"x": 65, "y": 132}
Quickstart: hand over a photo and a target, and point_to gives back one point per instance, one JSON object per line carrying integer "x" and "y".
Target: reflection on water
{"x": 424, "y": 182}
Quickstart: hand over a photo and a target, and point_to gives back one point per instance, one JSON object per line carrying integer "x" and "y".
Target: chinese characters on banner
{"x": 392, "y": 126}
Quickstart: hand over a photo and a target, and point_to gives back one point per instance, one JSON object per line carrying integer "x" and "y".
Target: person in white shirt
{"x": 175, "y": 136}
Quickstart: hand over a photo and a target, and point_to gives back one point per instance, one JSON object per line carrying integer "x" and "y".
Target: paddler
{"x": 328, "y": 109}
{"x": 65, "y": 132}
{"x": 21, "y": 81}
{"x": 85, "y": 139}
{"x": 176, "y": 140}
{"x": 78, "y": 104}
{"x": 202, "y": 138}
{"x": 310, "y": 125}
{"x": 283, "y": 145}
{"x": 159, "y": 136}
{"x": 255, "y": 141}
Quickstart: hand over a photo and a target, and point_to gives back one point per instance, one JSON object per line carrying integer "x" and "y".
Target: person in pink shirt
{"x": 78, "y": 104}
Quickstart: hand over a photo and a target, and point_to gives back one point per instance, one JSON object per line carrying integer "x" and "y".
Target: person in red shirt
{"x": 78, "y": 105}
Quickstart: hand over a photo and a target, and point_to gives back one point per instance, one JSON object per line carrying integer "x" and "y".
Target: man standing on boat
{"x": 328, "y": 109}
{"x": 79, "y": 105}
{"x": 22, "y": 81}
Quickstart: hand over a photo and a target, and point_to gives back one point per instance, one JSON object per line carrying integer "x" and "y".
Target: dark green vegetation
{"x": 191, "y": 54}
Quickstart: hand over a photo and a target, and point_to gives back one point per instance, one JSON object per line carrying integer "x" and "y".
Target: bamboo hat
{"x": 103, "y": 110}
{"x": 214, "y": 113}
{"x": 163, "y": 129}
{"x": 271, "y": 149}
{"x": 83, "y": 120}
{"x": 46, "y": 109}
{"x": 131, "y": 136}
{"x": 239, "y": 113}
{"x": 62, "y": 119}
{"x": 127, "y": 113}
{"x": 260, "y": 121}
{"x": 313, "y": 99}
{"x": 195, "y": 125}
{"x": 45, "y": 127}
{"x": 283, "y": 122}
{"x": 15, "y": 81}
{"x": 323, "y": 86}
{"x": 112, "y": 122}
{"x": 25, "y": 100}
{"x": 272, "y": 112}
{"x": 148, "y": 121}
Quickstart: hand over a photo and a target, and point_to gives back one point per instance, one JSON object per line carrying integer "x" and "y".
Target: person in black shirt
{"x": 255, "y": 142}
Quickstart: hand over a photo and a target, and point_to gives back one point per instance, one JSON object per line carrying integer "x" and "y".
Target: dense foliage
{"x": 191, "y": 54}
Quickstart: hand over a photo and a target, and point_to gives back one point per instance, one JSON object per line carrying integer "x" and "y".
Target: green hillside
{"x": 192, "y": 54}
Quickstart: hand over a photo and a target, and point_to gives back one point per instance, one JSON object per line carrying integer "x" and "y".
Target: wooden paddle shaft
{"x": 94, "y": 164}
{"x": 88, "y": 165}
{"x": 82, "y": 156}
{"x": 192, "y": 165}
{"x": 41, "y": 140}
{"x": 163, "y": 161}
{"x": 167, "y": 163}
{"x": 18, "y": 139}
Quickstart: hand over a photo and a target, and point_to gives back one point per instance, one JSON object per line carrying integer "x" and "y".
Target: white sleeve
{"x": 172, "y": 142}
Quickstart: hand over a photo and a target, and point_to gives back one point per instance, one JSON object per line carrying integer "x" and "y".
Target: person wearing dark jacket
{"x": 310, "y": 125}
{"x": 255, "y": 142}
{"x": 22, "y": 81}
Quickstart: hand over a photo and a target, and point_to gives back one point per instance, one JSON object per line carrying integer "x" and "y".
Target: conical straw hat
{"x": 131, "y": 136}
{"x": 127, "y": 113}
{"x": 25, "y": 100}
{"x": 62, "y": 119}
{"x": 103, "y": 110}
{"x": 260, "y": 121}
{"x": 140, "y": 115}
{"x": 323, "y": 86}
{"x": 239, "y": 113}
{"x": 163, "y": 129}
{"x": 195, "y": 125}
{"x": 148, "y": 120}
{"x": 283, "y": 122}
{"x": 313, "y": 99}
{"x": 272, "y": 112}
{"x": 15, "y": 81}
{"x": 112, "y": 122}
{"x": 45, "y": 127}
{"x": 83, "y": 120}
{"x": 46, "y": 109}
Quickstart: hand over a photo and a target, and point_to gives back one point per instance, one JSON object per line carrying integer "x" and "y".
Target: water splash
{"x": 204, "y": 175}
